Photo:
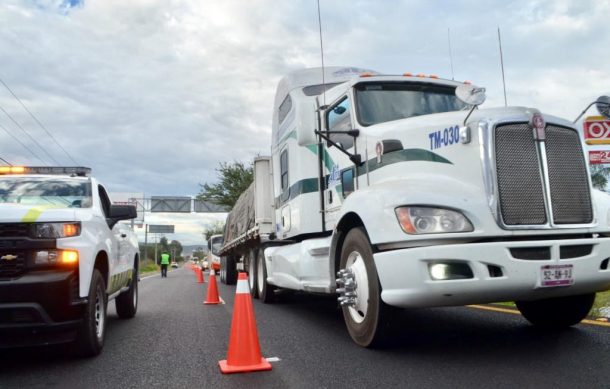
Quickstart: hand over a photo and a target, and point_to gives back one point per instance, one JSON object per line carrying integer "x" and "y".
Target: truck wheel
{"x": 266, "y": 292}
{"x": 223, "y": 266}
{"x": 92, "y": 331}
{"x": 127, "y": 302}
{"x": 230, "y": 271}
{"x": 366, "y": 317}
{"x": 558, "y": 312}
{"x": 252, "y": 273}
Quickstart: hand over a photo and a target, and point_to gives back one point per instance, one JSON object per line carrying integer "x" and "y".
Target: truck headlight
{"x": 54, "y": 230}
{"x": 428, "y": 220}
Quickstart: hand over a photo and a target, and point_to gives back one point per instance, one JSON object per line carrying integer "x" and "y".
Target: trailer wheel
{"x": 266, "y": 292}
{"x": 230, "y": 270}
{"x": 252, "y": 273}
{"x": 366, "y": 316}
{"x": 557, "y": 313}
{"x": 223, "y": 266}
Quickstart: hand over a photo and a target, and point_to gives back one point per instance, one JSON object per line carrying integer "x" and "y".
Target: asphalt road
{"x": 176, "y": 342}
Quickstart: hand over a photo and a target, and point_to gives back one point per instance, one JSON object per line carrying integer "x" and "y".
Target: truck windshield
{"x": 217, "y": 245}
{"x": 46, "y": 191}
{"x": 384, "y": 102}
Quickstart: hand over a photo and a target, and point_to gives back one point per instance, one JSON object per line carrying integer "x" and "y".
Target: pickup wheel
{"x": 127, "y": 302}
{"x": 252, "y": 273}
{"x": 366, "y": 316}
{"x": 558, "y": 312}
{"x": 266, "y": 292}
{"x": 231, "y": 270}
{"x": 92, "y": 331}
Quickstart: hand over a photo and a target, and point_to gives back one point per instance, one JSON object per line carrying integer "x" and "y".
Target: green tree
{"x": 218, "y": 228}
{"x": 175, "y": 248}
{"x": 599, "y": 176}
{"x": 234, "y": 178}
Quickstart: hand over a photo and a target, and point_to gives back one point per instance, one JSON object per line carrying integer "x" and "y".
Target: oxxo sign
{"x": 596, "y": 130}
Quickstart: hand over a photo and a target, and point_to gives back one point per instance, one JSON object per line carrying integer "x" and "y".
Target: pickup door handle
{"x": 123, "y": 235}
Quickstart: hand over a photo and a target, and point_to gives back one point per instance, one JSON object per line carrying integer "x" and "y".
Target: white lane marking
{"x": 273, "y": 359}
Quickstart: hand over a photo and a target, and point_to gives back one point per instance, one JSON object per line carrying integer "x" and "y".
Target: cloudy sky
{"x": 153, "y": 94}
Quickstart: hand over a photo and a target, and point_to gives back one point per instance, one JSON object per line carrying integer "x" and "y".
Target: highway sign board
{"x": 161, "y": 228}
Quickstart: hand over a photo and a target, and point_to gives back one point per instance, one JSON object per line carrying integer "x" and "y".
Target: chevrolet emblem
{"x": 8, "y": 257}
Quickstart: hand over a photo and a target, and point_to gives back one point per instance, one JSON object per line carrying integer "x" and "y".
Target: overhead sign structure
{"x": 161, "y": 228}
{"x": 206, "y": 206}
{"x": 596, "y": 130}
{"x": 170, "y": 204}
{"x": 599, "y": 156}
{"x": 125, "y": 198}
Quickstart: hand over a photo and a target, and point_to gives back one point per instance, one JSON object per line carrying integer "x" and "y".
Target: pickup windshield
{"x": 51, "y": 192}
{"x": 386, "y": 101}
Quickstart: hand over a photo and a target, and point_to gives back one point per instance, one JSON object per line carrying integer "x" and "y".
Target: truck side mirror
{"x": 603, "y": 106}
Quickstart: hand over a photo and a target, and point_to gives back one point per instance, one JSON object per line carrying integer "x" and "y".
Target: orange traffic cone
{"x": 244, "y": 350}
{"x": 199, "y": 275}
{"x": 212, "y": 297}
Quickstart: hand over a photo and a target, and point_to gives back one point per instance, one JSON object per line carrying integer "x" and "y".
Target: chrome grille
{"x": 568, "y": 178}
{"x": 520, "y": 186}
{"x": 523, "y": 181}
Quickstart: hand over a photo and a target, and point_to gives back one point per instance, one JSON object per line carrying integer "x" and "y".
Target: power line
{"x": 38, "y": 121}
{"x": 6, "y": 162}
{"x": 22, "y": 144}
{"x": 29, "y": 136}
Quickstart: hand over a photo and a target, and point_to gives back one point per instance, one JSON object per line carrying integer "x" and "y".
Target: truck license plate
{"x": 556, "y": 275}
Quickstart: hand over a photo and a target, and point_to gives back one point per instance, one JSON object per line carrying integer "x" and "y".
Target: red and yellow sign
{"x": 596, "y": 130}
{"x": 599, "y": 157}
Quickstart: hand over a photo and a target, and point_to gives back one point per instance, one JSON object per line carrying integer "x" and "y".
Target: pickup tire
{"x": 367, "y": 320}
{"x": 254, "y": 257}
{"x": 266, "y": 292}
{"x": 127, "y": 302}
{"x": 92, "y": 331}
{"x": 558, "y": 312}
{"x": 230, "y": 270}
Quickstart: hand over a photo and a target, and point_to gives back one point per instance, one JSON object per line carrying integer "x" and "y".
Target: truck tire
{"x": 223, "y": 266}
{"x": 127, "y": 302}
{"x": 252, "y": 273}
{"x": 558, "y": 312}
{"x": 266, "y": 292}
{"x": 368, "y": 319}
{"x": 92, "y": 331}
{"x": 230, "y": 270}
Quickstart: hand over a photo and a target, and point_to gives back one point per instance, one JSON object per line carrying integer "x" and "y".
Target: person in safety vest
{"x": 164, "y": 264}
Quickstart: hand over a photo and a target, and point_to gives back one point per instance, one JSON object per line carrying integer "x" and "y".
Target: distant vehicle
{"x": 174, "y": 264}
{"x": 63, "y": 255}
{"x": 214, "y": 245}
{"x": 205, "y": 265}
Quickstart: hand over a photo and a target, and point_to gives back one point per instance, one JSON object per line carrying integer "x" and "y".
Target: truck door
{"x": 341, "y": 177}
{"x": 113, "y": 236}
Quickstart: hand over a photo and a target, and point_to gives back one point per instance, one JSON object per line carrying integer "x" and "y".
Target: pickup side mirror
{"x": 209, "y": 244}
{"x": 123, "y": 212}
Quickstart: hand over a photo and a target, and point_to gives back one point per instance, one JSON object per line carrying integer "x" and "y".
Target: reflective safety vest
{"x": 164, "y": 259}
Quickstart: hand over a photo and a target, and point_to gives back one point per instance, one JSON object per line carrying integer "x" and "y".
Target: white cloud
{"x": 153, "y": 94}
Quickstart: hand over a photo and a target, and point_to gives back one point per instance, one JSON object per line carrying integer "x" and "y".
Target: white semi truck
{"x": 398, "y": 191}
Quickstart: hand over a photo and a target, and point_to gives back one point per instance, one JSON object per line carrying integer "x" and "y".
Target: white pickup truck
{"x": 63, "y": 256}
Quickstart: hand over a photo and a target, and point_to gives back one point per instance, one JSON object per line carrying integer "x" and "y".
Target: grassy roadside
{"x": 601, "y": 307}
{"x": 148, "y": 267}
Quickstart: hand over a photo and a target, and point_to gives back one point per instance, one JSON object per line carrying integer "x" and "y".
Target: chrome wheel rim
{"x": 260, "y": 274}
{"x": 100, "y": 314}
{"x": 251, "y": 271}
{"x": 356, "y": 264}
